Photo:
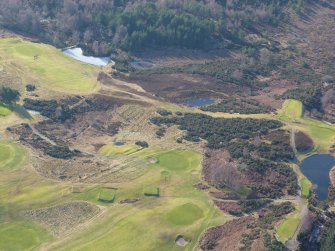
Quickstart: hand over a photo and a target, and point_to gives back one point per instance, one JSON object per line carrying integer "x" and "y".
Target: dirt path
{"x": 293, "y": 145}
{"x": 35, "y": 131}
{"x": 293, "y": 243}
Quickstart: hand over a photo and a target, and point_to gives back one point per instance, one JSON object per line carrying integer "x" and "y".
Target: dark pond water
{"x": 316, "y": 168}
{"x": 199, "y": 102}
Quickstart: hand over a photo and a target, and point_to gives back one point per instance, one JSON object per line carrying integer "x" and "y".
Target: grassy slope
{"x": 153, "y": 223}
{"x": 22, "y": 189}
{"x": 322, "y": 134}
{"x": 31, "y": 235}
{"x": 306, "y": 185}
{"x": 289, "y": 225}
{"x": 4, "y": 110}
{"x": 51, "y": 70}
{"x": 11, "y": 156}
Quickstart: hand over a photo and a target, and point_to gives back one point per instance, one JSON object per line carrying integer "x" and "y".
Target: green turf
{"x": 185, "y": 214}
{"x": 154, "y": 223}
{"x": 94, "y": 194}
{"x": 322, "y": 134}
{"x": 51, "y": 69}
{"x": 4, "y": 110}
{"x": 306, "y": 187}
{"x": 107, "y": 194}
{"x": 177, "y": 160}
{"x": 21, "y": 235}
{"x": 291, "y": 111}
{"x": 151, "y": 191}
{"x": 11, "y": 156}
{"x": 288, "y": 227}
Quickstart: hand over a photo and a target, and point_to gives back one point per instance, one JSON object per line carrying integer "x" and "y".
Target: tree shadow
{"x": 21, "y": 111}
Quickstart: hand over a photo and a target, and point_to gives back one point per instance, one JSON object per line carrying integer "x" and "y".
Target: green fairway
{"x": 21, "y": 236}
{"x": 306, "y": 187}
{"x": 289, "y": 225}
{"x": 322, "y": 134}
{"x": 292, "y": 110}
{"x": 305, "y": 184}
{"x": 4, "y": 110}
{"x": 11, "y": 156}
{"x": 185, "y": 214}
{"x": 47, "y": 67}
{"x": 153, "y": 222}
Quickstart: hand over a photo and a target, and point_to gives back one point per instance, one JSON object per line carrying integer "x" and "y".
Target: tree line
{"x": 101, "y": 26}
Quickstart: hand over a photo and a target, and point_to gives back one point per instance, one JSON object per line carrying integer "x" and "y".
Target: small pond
{"x": 77, "y": 54}
{"x": 199, "y": 102}
{"x": 316, "y": 168}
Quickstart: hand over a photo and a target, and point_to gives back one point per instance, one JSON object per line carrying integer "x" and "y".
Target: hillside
{"x": 202, "y": 132}
{"x": 102, "y": 26}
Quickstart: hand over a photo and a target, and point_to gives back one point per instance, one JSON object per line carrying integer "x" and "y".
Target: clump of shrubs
{"x": 30, "y": 88}
{"x": 161, "y": 132}
{"x": 164, "y": 112}
{"x": 9, "y": 96}
{"x": 179, "y": 140}
{"x": 61, "y": 152}
{"x": 143, "y": 144}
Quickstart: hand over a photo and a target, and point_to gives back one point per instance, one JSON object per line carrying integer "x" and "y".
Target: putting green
{"x": 21, "y": 236}
{"x": 11, "y": 156}
{"x": 185, "y": 214}
{"x": 177, "y": 160}
{"x": 47, "y": 66}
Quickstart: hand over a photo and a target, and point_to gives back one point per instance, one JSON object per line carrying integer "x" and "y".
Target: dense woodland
{"x": 101, "y": 26}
